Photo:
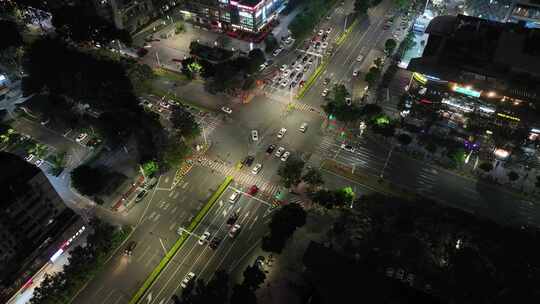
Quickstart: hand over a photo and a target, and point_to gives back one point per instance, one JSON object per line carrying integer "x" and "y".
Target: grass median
{"x": 172, "y": 252}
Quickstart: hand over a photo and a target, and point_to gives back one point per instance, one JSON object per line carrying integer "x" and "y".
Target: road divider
{"x": 346, "y": 33}
{"x": 172, "y": 252}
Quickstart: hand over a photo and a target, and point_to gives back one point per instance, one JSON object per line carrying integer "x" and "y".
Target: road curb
{"x": 154, "y": 275}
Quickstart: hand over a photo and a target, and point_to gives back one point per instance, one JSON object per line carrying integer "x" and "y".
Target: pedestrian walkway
{"x": 294, "y": 105}
{"x": 241, "y": 177}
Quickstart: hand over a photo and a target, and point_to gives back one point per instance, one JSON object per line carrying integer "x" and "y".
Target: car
{"x": 284, "y": 82}
{"x": 283, "y": 67}
{"x": 325, "y": 92}
{"x": 254, "y": 135}
{"x": 347, "y": 147}
{"x": 276, "y": 79}
{"x": 326, "y": 81}
{"x": 299, "y": 68}
{"x": 226, "y": 110}
{"x": 281, "y": 133}
{"x": 299, "y": 76}
{"x": 81, "y": 137}
{"x": 38, "y": 162}
{"x": 130, "y": 247}
{"x": 29, "y": 157}
{"x": 279, "y": 151}
{"x": 141, "y": 195}
{"x": 214, "y": 243}
{"x": 234, "y": 197}
{"x": 305, "y": 59}
{"x": 277, "y": 51}
{"x": 232, "y": 219}
{"x": 164, "y": 104}
{"x": 328, "y": 17}
{"x": 187, "y": 279}
{"x": 348, "y": 101}
{"x": 389, "y": 272}
{"x": 248, "y": 160}
{"x": 293, "y": 74}
{"x": 310, "y": 60}
{"x": 285, "y": 156}
{"x": 328, "y": 30}
{"x": 360, "y": 57}
{"x": 286, "y": 73}
{"x": 256, "y": 169}
{"x": 263, "y": 66}
{"x": 94, "y": 142}
{"x": 324, "y": 45}
{"x": 253, "y": 190}
{"x": 234, "y": 230}
{"x": 306, "y": 68}
{"x": 293, "y": 84}
{"x": 204, "y": 238}
{"x": 303, "y": 127}
{"x": 317, "y": 45}
{"x": 301, "y": 84}
{"x": 321, "y": 32}
{"x": 410, "y": 279}
{"x": 270, "y": 149}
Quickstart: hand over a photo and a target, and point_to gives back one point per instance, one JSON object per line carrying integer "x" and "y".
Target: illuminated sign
{"x": 466, "y": 91}
{"x": 465, "y": 108}
{"x": 508, "y": 117}
{"x": 501, "y": 153}
{"x": 486, "y": 109}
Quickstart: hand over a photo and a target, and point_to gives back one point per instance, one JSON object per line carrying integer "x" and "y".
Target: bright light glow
{"x": 508, "y": 117}
{"x": 491, "y": 94}
{"x": 467, "y": 91}
{"x": 486, "y": 109}
{"x": 56, "y": 255}
{"x": 464, "y": 108}
{"x": 501, "y": 153}
{"x": 420, "y": 78}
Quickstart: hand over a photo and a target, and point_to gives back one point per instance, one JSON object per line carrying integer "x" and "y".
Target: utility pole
{"x": 157, "y": 58}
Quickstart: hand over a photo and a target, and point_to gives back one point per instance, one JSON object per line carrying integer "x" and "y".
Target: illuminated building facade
{"x": 250, "y": 16}
{"x": 493, "y": 62}
{"x": 33, "y": 219}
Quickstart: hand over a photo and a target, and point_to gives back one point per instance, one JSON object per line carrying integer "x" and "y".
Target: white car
{"x": 234, "y": 230}
{"x": 289, "y": 40}
{"x": 39, "y": 162}
{"x": 226, "y": 110}
{"x": 347, "y": 147}
{"x": 284, "y": 82}
{"x": 328, "y": 30}
{"x": 164, "y": 104}
{"x": 187, "y": 279}
{"x": 321, "y": 32}
{"x": 303, "y": 127}
{"x": 348, "y": 101}
{"x": 263, "y": 66}
{"x": 283, "y": 67}
{"x": 204, "y": 238}
{"x": 256, "y": 169}
{"x": 277, "y": 51}
{"x": 254, "y": 135}
{"x": 360, "y": 57}
{"x": 279, "y": 151}
{"x": 81, "y": 137}
{"x": 355, "y": 73}
{"x": 281, "y": 133}
{"x": 324, "y": 45}
{"x": 299, "y": 67}
{"x": 234, "y": 197}
{"x": 286, "y": 73}
{"x": 285, "y": 156}
{"x": 325, "y": 92}
{"x": 29, "y": 157}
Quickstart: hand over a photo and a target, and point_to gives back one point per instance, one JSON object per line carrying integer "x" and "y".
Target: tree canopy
{"x": 336, "y": 105}
{"x": 291, "y": 172}
{"x": 283, "y": 224}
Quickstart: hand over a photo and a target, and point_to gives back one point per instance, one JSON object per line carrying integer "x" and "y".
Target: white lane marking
{"x": 174, "y": 210}
{"x": 157, "y": 217}
{"x": 172, "y": 226}
{"x": 152, "y": 215}
{"x": 185, "y": 185}
{"x": 108, "y": 296}
{"x": 144, "y": 253}
{"x": 253, "y": 223}
{"x": 119, "y": 298}
{"x": 171, "y": 193}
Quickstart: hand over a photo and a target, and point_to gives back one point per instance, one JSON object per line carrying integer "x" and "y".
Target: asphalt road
{"x": 160, "y": 215}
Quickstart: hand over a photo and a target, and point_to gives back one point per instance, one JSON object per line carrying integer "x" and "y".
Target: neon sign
{"x": 466, "y": 91}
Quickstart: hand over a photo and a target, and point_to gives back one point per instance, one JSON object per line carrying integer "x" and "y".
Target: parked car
{"x": 234, "y": 197}
{"x": 277, "y": 51}
{"x": 29, "y": 157}
{"x": 347, "y": 147}
{"x": 303, "y": 127}
{"x": 254, "y": 135}
{"x": 81, "y": 137}
{"x": 270, "y": 149}
{"x": 234, "y": 230}
{"x": 279, "y": 151}
{"x": 285, "y": 156}
{"x": 325, "y": 92}
{"x": 226, "y": 110}
{"x": 281, "y": 133}
{"x": 248, "y": 161}
{"x": 204, "y": 238}
{"x": 256, "y": 169}
{"x": 141, "y": 195}
{"x": 360, "y": 57}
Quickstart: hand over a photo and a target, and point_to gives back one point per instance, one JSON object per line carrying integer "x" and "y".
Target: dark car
{"x": 270, "y": 149}
{"x": 130, "y": 247}
{"x": 232, "y": 219}
{"x": 253, "y": 190}
{"x": 214, "y": 243}
{"x": 248, "y": 161}
{"x": 141, "y": 195}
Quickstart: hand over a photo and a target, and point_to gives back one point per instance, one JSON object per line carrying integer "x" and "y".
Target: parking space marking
{"x": 172, "y": 226}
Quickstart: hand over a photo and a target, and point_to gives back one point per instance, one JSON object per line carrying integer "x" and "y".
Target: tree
{"x": 371, "y": 110}
{"x": 513, "y": 176}
{"x": 11, "y": 37}
{"x": 361, "y": 6}
{"x": 332, "y": 198}
{"x": 253, "y": 277}
{"x": 150, "y": 168}
{"x": 180, "y": 27}
{"x": 87, "y": 180}
{"x": 313, "y": 177}
{"x": 291, "y": 172}
{"x": 183, "y": 122}
{"x": 372, "y": 75}
{"x": 271, "y": 43}
{"x": 80, "y": 23}
{"x": 404, "y": 139}
{"x": 486, "y": 167}
{"x": 243, "y": 294}
{"x": 223, "y": 41}
{"x": 338, "y": 107}
{"x": 283, "y": 224}
{"x": 174, "y": 153}
{"x": 390, "y": 45}
{"x": 256, "y": 58}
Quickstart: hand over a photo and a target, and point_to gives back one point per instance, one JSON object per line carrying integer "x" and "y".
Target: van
{"x": 234, "y": 197}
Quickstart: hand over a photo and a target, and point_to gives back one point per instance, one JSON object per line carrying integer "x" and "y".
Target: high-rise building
{"x": 252, "y": 16}
{"x": 527, "y": 11}
{"x": 32, "y": 219}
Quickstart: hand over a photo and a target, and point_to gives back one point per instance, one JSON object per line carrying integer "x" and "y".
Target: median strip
{"x": 172, "y": 252}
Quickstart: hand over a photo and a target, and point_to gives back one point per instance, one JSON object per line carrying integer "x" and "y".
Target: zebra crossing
{"x": 289, "y": 104}
{"x": 241, "y": 177}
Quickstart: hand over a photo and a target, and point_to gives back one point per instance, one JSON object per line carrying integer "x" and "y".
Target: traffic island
{"x": 180, "y": 242}
{"x": 373, "y": 182}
